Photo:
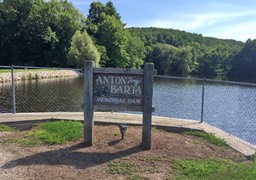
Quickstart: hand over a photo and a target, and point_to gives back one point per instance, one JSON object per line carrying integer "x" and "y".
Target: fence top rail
{"x": 175, "y": 77}
{"x": 231, "y": 82}
{"x": 207, "y": 80}
{"x": 8, "y": 67}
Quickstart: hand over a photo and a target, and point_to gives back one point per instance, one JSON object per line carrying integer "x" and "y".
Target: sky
{"x": 224, "y": 19}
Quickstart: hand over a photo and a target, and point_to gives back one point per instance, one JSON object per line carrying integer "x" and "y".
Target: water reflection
{"x": 5, "y": 98}
{"x": 177, "y": 98}
{"x": 45, "y": 95}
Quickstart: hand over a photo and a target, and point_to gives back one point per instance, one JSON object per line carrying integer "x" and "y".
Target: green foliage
{"x": 136, "y": 51}
{"x": 113, "y": 37}
{"x": 37, "y": 32}
{"x": 97, "y": 14}
{"x": 5, "y": 70}
{"x": 214, "y": 169}
{"x": 120, "y": 167}
{"x": 253, "y": 157}
{"x": 244, "y": 63}
{"x": 170, "y": 60}
{"x": 200, "y": 56}
{"x": 82, "y": 48}
{"x": 31, "y": 77}
{"x": 156, "y": 129}
{"x": 210, "y": 137}
{"x": 138, "y": 177}
{"x": 153, "y": 159}
{"x": 117, "y": 47}
{"x": 5, "y": 128}
{"x": 58, "y": 132}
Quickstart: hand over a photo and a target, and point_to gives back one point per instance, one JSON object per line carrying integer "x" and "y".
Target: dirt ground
{"x": 76, "y": 161}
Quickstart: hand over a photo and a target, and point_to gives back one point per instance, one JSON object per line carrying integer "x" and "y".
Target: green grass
{"x": 152, "y": 159}
{"x": 25, "y": 70}
{"x": 214, "y": 169}
{"x": 31, "y": 77}
{"x": 5, "y": 128}
{"x": 5, "y": 70}
{"x": 137, "y": 177}
{"x": 253, "y": 157}
{"x": 58, "y": 132}
{"x": 120, "y": 167}
{"x": 156, "y": 129}
{"x": 210, "y": 137}
{"x": 152, "y": 163}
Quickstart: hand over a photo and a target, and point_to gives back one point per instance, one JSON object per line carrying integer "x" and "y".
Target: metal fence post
{"x": 13, "y": 92}
{"x": 202, "y": 104}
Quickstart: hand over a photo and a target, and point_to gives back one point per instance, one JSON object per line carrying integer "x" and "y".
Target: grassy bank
{"x": 24, "y": 70}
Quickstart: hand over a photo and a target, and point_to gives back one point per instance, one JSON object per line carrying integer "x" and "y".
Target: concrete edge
{"x": 171, "y": 124}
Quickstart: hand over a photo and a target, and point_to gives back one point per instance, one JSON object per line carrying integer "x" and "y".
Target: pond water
{"x": 229, "y": 107}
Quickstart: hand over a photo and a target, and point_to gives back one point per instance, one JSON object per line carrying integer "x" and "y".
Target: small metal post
{"x": 122, "y": 129}
{"x": 202, "y": 104}
{"x": 13, "y": 92}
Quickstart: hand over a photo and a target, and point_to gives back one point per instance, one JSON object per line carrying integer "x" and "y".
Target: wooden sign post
{"x": 118, "y": 89}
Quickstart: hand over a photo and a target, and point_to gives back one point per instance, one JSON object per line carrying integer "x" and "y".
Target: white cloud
{"x": 239, "y": 31}
{"x": 216, "y": 24}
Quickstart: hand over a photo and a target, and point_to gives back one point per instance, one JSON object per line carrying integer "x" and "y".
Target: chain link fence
{"x": 40, "y": 89}
{"x": 228, "y": 106}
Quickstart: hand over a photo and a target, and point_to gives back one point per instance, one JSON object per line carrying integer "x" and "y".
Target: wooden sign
{"x": 118, "y": 89}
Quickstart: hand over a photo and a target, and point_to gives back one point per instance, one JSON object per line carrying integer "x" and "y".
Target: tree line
{"x": 54, "y": 33}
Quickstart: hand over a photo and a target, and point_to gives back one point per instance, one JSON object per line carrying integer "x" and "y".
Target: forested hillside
{"x": 55, "y": 33}
{"x": 180, "y": 53}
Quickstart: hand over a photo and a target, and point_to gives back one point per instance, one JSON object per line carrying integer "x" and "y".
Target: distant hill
{"x": 181, "y": 53}
{"x": 179, "y": 38}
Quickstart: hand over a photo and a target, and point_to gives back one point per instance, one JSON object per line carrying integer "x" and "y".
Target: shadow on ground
{"x": 72, "y": 156}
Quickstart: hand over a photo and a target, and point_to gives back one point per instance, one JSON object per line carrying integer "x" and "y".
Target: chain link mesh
{"x": 43, "y": 90}
{"x": 232, "y": 108}
{"x": 227, "y": 106}
{"x": 177, "y": 98}
{"x": 5, "y": 98}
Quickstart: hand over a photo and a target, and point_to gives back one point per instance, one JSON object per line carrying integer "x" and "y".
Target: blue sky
{"x": 226, "y": 19}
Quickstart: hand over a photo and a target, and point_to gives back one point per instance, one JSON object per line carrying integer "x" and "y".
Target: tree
{"x": 37, "y": 32}
{"x": 97, "y": 14}
{"x": 82, "y": 48}
{"x": 94, "y": 18}
{"x": 207, "y": 66}
{"x": 13, "y": 31}
{"x": 170, "y": 60}
{"x": 61, "y": 20}
{"x": 115, "y": 44}
{"x": 210, "y": 57}
{"x": 243, "y": 64}
{"x": 112, "y": 36}
{"x": 136, "y": 51}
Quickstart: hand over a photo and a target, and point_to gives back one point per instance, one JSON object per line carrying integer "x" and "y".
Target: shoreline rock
{"x": 30, "y": 74}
